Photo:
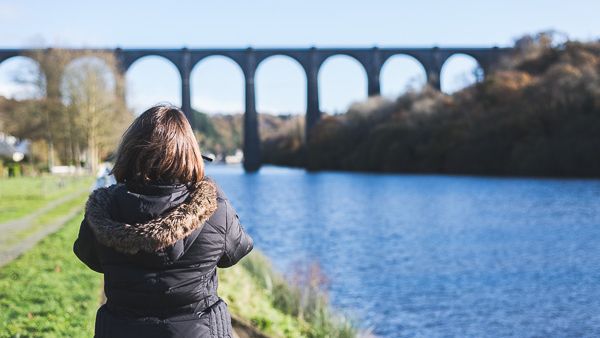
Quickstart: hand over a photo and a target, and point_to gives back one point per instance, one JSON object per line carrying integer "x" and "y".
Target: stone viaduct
{"x": 311, "y": 59}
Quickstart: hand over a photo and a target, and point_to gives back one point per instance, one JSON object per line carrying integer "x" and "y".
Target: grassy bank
{"x": 20, "y": 196}
{"x": 47, "y": 292}
{"x": 254, "y": 290}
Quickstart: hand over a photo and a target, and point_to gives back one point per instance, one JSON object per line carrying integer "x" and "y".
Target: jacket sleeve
{"x": 85, "y": 247}
{"x": 237, "y": 242}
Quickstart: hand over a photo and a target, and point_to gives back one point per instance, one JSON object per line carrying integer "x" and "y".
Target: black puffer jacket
{"x": 159, "y": 247}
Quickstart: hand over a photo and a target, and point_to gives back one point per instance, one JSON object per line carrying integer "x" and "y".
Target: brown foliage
{"x": 538, "y": 114}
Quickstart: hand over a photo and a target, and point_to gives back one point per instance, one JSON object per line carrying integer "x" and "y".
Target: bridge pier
{"x": 433, "y": 79}
{"x": 186, "y": 100}
{"x": 313, "y": 112}
{"x": 120, "y": 86}
{"x": 373, "y": 70}
{"x": 433, "y": 67}
{"x": 373, "y": 84}
{"x": 252, "y": 159}
{"x": 121, "y": 69}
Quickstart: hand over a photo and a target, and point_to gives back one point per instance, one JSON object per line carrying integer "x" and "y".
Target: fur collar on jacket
{"x": 156, "y": 234}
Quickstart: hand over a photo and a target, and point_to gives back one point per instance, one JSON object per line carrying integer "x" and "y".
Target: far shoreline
{"x": 415, "y": 174}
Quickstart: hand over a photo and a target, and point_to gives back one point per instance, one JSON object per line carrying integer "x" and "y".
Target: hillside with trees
{"x": 538, "y": 114}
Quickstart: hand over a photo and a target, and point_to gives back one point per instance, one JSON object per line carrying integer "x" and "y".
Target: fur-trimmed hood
{"x": 156, "y": 234}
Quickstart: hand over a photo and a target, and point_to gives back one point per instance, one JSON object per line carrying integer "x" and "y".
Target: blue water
{"x": 435, "y": 256}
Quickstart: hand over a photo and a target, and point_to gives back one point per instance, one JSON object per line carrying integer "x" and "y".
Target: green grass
{"x": 47, "y": 292}
{"x": 20, "y": 196}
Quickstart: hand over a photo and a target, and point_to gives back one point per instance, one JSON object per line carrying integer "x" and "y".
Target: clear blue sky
{"x": 217, "y": 84}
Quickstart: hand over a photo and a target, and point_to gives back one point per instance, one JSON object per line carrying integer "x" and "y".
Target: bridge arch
{"x": 217, "y": 85}
{"x": 359, "y": 58}
{"x": 400, "y": 73}
{"x": 134, "y": 56}
{"x": 338, "y": 74}
{"x": 281, "y": 88}
{"x": 87, "y": 62}
{"x": 199, "y": 58}
{"x": 20, "y": 78}
{"x": 458, "y": 71}
{"x": 8, "y": 54}
{"x": 264, "y": 56}
{"x": 146, "y": 70}
{"x": 278, "y": 74}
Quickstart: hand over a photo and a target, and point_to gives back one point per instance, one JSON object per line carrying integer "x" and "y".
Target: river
{"x": 435, "y": 256}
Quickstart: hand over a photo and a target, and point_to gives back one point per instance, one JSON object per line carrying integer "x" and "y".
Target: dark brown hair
{"x": 159, "y": 146}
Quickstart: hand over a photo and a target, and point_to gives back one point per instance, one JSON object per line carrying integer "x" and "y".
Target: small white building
{"x": 12, "y": 148}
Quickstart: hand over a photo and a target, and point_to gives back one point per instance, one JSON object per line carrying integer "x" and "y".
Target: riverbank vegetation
{"x": 295, "y": 307}
{"x": 537, "y": 114}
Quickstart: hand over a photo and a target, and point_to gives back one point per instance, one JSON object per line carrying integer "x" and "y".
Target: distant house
{"x": 13, "y": 149}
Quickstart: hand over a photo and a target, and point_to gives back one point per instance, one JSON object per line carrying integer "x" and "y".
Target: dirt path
{"x": 23, "y": 222}
{"x": 8, "y": 253}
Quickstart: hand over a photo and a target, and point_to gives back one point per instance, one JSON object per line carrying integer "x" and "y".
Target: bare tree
{"x": 52, "y": 63}
{"x": 96, "y": 113}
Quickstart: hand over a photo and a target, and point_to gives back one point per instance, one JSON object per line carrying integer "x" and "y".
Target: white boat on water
{"x": 236, "y": 158}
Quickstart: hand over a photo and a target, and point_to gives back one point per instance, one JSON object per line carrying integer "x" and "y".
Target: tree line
{"x": 537, "y": 114}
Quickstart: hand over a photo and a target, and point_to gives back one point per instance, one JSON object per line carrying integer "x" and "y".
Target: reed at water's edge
{"x": 301, "y": 298}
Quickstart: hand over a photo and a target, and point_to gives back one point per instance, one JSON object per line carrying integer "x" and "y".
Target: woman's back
{"x": 159, "y": 246}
